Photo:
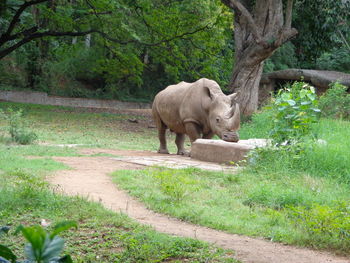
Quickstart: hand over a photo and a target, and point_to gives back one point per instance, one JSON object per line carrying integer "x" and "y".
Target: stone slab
{"x": 175, "y": 162}
{"x": 220, "y": 151}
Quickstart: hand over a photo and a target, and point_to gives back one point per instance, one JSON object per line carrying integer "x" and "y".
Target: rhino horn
{"x": 235, "y": 120}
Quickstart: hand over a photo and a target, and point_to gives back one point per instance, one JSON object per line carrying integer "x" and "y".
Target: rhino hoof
{"x": 185, "y": 153}
{"x": 163, "y": 151}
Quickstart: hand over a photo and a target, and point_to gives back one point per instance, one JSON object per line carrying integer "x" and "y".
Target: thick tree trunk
{"x": 259, "y": 29}
{"x": 247, "y": 79}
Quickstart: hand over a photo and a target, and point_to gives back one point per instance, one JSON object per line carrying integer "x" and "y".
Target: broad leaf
{"x": 291, "y": 102}
{"x": 65, "y": 259}
{"x": 286, "y": 96}
{"x": 62, "y": 226}
{"x": 52, "y": 249}
{"x": 6, "y": 253}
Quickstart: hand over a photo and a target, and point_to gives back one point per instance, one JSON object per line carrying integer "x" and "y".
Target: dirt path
{"x": 89, "y": 178}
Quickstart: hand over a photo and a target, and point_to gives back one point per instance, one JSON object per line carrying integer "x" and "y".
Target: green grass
{"x": 296, "y": 196}
{"x": 64, "y": 125}
{"x": 292, "y": 196}
{"x": 102, "y": 235}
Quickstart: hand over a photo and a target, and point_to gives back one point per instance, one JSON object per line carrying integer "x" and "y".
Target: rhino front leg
{"x": 208, "y": 135}
{"x": 180, "y": 141}
{"x": 192, "y": 130}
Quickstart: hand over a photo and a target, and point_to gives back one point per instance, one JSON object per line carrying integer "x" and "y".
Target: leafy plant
{"x": 322, "y": 219}
{"x": 43, "y": 247}
{"x": 335, "y": 103}
{"x": 174, "y": 183}
{"x": 18, "y": 127}
{"x": 295, "y": 110}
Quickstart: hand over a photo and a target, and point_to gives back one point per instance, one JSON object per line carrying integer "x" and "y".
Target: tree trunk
{"x": 247, "y": 79}
{"x": 259, "y": 29}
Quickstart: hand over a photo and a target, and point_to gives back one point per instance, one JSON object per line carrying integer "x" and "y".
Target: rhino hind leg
{"x": 161, "y": 134}
{"x": 180, "y": 141}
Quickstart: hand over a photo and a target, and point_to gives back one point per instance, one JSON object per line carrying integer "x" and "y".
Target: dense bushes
{"x": 335, "y": 103}
{"x": 337, "y": 59}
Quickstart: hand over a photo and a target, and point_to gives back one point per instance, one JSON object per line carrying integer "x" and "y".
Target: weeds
{"x": 321, "y": 221}
{"x": 17, "y": 127}
{"x": 173, "y": 183}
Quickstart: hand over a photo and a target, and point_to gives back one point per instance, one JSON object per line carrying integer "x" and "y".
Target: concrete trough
{"x": 219, "y": 151}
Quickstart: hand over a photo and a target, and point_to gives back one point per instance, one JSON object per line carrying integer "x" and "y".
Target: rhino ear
{"x": 210, "y": 93}
{"x": 208, "y": 98}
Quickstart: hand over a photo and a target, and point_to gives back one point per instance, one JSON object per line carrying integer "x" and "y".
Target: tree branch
{"x": 17, "y": 15}
{"x": 287, "y": 32}
{"x": 22, "y": 33}
{"x": 36, "y": 35}
{"x": 27, "y": 39}
{"x": 181, "y": 36}
{"x": 289, "y": 10}
{"x": 237, "y": 5}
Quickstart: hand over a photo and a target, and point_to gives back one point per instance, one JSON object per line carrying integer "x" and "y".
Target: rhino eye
{"x": 217, "y": 119}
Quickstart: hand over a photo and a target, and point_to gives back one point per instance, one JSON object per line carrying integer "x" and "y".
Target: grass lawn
{"x": 296, "y": 196}
{"x": 102, "y": 235}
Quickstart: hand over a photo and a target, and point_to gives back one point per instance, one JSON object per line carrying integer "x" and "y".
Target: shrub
{"x": 295, "y": 110}
{"x": 18, "y": 127}
{"x": 337, "y": 59}
{"x": 325, "y": 220}
{"x": 42, "y": 247}
{"x": 335, "y": 103}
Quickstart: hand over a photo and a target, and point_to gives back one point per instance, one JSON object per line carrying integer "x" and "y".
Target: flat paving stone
{"x": 175, "y": 162}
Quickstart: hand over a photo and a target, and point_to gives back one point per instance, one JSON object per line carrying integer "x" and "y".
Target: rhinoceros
{"x": 198, "y": 109}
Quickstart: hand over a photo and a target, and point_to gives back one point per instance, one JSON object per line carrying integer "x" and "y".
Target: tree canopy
{"x": 133, "y": 48}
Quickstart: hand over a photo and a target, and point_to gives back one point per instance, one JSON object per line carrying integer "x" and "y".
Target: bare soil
{"x": 89, "y": 178}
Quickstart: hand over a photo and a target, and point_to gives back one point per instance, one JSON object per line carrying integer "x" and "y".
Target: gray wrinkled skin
{"x": 198, "y": 109}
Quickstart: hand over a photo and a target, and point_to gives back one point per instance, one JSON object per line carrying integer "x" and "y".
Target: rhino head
{"x": 224, "y": 116}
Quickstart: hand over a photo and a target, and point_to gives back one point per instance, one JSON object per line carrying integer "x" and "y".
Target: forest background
{"x": 131, "y": 49}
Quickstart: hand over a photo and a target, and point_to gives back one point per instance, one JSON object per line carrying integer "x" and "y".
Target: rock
{"x": 220, "y": 151}
{"x": 133, "y": 120}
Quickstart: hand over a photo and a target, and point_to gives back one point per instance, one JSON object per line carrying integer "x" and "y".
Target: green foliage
{"x": 324, "y": 220}
{"x": 335, "y": 103}
{"x": 296, "y": 109}
{"x": 175, "y": 184}
{"x": 12, "y": 74}
{"x": 42, "y": 247}
{"x": 141, "y": 246}
{"x": 322, "y": 26}
{"x": 149, "y": 45}
{"x": 18, "y": 127}
{"x": 336, "y": 59}
{"x": 283, "y": 58}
